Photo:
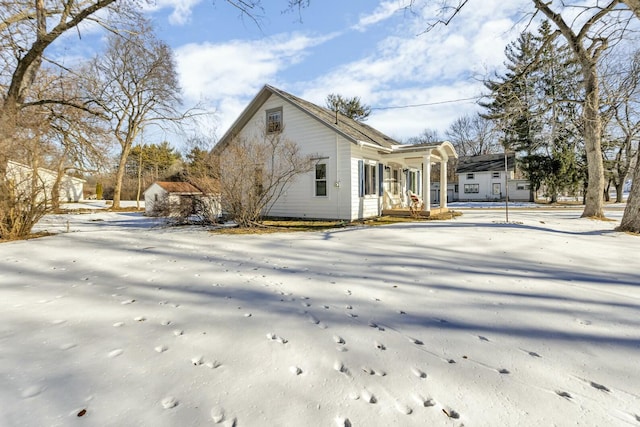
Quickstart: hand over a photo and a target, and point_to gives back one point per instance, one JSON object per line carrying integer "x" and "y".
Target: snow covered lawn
{"x": 121, "y": 322}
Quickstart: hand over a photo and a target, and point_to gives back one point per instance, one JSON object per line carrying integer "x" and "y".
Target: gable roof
{"x": 485, "y": 163}
{"x": 350, "y": 129}
{"x": 28, "y": 169}
{"x": 178, "y": 187}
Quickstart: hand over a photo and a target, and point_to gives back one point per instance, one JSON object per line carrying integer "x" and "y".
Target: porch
{"x": 406, "y": 213}
{"x": 406, "y": 175}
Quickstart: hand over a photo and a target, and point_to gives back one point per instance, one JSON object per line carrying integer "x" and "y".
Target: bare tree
{"x": 588, "y": 35}
{"x": 427, "y": 136}
{"x": 254, "y": 173}
{"x": 621, "y": 96}
{"x": 472, "y": 135}
{"x": 137, "y": 86}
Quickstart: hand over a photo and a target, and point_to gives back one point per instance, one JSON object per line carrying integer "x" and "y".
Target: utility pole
{"x": 506, "y": 185}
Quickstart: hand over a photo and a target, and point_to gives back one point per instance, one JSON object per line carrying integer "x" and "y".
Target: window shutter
{"x": 361, "y": 178}
{"x": 380, "y": 179}
{"x": 418, "y": 184}
{"x": 407, "y": 180}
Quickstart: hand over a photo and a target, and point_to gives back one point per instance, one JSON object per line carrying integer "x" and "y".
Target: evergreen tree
{"x": 533, "y": 104}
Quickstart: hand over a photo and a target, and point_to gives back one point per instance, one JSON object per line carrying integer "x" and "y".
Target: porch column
{"x": 426, "y": 181}
{"x": 443, "y": 184}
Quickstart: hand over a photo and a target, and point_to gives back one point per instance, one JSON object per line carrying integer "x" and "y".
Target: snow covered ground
{"x": 474, "y": 321}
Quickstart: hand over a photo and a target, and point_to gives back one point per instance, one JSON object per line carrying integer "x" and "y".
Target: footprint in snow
{"x": 339, "y": 366}
{"x": 481, "y": 338}
{"x": 368, "y": 370}
{"x": 343, "y": 422}
{"x": 140, "y": 319}
{"x": 563, "y": 394}
{"x": 274, "y": 337}
{"x": 295, "y": 370}
{"x": 58, "y": 321}
{"x": 338, "y": 339}
{"x": 451, "y": 413}
{"x": 197, "y": 360}
{"x": 422, "y": 401}
{"x": 403, "y": 409}
{"x": 212, "y": 364}
{"x": 161, "y": 348}
{"x": 600, "y": 387}
{"x": 418, "y": 373}
{"x": 379, "y": 345}
{"x": 169, "y": 402}
{"x": 415, "y": 341}
{"x": 115, "y": 353}
{"x": 217, "y": 414}
{"x": 118, "y": 324}
{"x": 368, "y": 397}
{"x": 32, "y": 391}
{"x": 127, "y": 302}
{"x": 67, "y": 346}
{"x": 178, "y": 332}
{"x": 503, "y": 371}
{"x": 165, "y": 322}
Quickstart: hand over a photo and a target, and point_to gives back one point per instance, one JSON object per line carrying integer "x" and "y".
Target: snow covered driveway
{"x": 120, "y": 322}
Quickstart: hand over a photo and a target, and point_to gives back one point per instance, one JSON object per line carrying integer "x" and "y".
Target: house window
{"x": 395, "y": 183}
{"x": 274, "y": 120}
{"x": 496, "y": 190}
{"x": 495, "y": 175}
{"x": 470, "y": 176}
{"x": 523, "y": 186}
{"x": 472, "y": 188}
{"x": 321, "y": 179}
{"x": 370, "y": 181}
{"x": 155, "y": 197}
{"x": 456, "y": 189}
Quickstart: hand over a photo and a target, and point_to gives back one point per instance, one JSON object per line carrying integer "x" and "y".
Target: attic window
{"x": 274, "y": 120}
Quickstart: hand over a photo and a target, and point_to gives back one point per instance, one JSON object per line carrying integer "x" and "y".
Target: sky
{"x": 116, "y": 321}
{"x": 374, "y": 49}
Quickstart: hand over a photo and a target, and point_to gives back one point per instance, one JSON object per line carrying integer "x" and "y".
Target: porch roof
{"x": 440, "y": 151}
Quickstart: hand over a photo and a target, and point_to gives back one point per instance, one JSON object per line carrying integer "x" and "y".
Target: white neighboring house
{"x": 176, "y": 195}
{"x": 482, "y": 178}
{"x": 71, "y": 188}
{"x": 359, "y": 171}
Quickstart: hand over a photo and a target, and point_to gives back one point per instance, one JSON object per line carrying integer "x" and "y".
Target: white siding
{"x": 70, "y": 187}
{"x": 150, "y": 197}
{"x": 485, "y": 182}
{"x": 318, "y": 140}
{"x": 367, "y": 206}
{"x": 518, "y": 195}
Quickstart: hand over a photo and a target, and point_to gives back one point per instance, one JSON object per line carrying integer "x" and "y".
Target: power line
{"x": 427, "y": 104}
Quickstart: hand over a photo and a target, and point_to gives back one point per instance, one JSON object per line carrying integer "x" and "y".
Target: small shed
{"x": 162, "y": 194}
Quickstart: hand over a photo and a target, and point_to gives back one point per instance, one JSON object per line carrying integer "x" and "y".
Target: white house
{"x": 484, "y": 178}
{"x": 71, "y": 188}
{"x": 359, "y": 171}
{"x": 172, "y": 195}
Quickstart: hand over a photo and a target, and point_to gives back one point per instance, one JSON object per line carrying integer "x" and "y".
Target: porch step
{"x": 403, "y": 213}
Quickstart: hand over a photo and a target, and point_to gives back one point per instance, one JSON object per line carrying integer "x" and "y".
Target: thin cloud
{"x": 181, "y": 9}
{"x": 384, "y": 11}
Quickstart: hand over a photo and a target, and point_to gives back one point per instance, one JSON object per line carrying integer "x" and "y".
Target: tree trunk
{"x": 619, "y": 191}
{"x": 631, "y": 218}
{"x": 592, "y": 140}
{"x": 126, "y": 149}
